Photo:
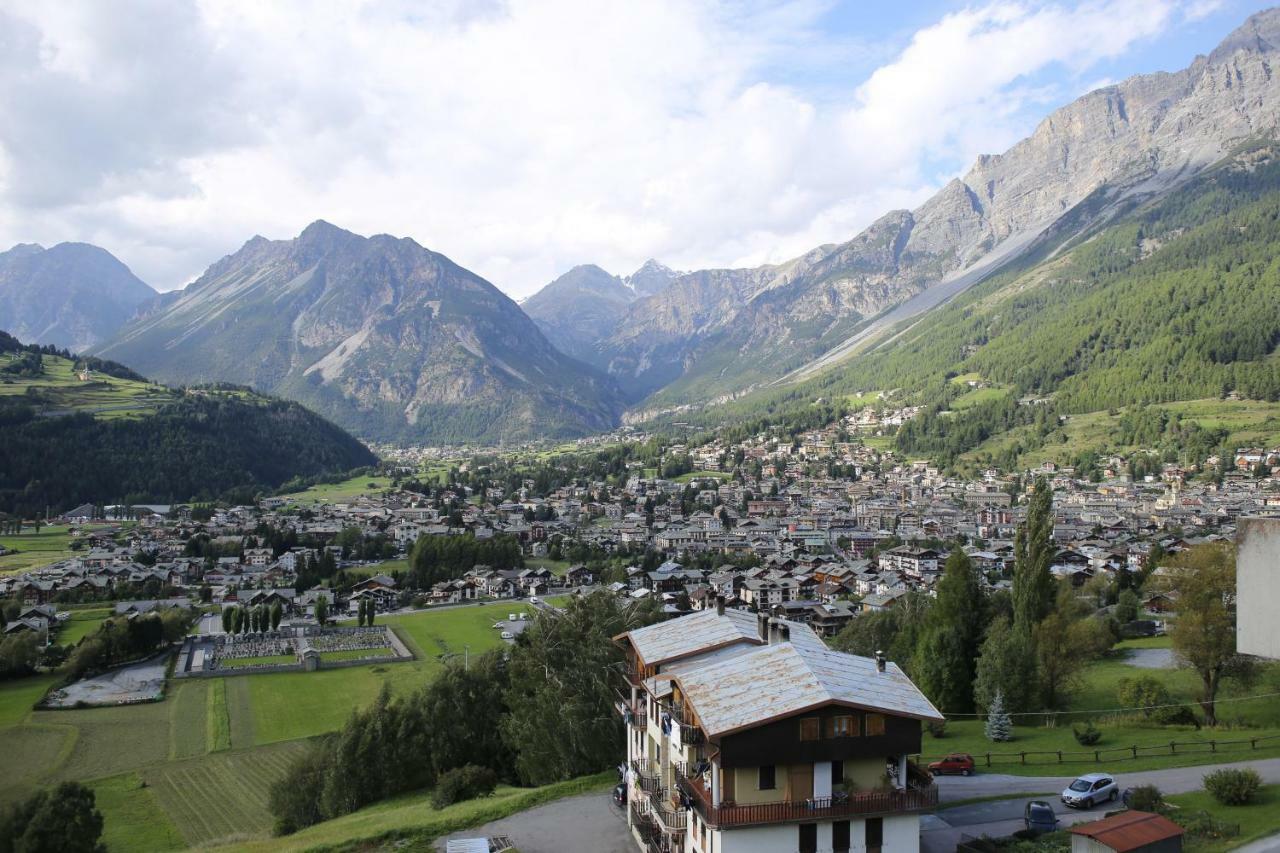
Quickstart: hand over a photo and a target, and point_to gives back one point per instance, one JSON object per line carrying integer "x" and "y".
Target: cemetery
{"x": 302, "y": 648}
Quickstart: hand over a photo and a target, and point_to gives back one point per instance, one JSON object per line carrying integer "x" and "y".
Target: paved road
{"x": 589, "y": 823}
{"x": 941, "y": 831}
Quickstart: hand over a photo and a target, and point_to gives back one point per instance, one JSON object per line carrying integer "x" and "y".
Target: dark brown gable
{"x": 780, "y": 742}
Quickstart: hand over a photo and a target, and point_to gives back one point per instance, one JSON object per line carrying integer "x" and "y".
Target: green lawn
{"x": 703, "y": 475}
{"x": 1240, "y": 721}
{"x": 356, "y": 654}
{"x": 132, "y": 818}
{"x": 1256, "y": 820}
{"x": 33, "y": 550}
{"x": 17, "y": 697}
{"x": 414, "y": 820}
{"x": 343, "y": 491}
{"x": 556, "y": 567}
{"x": 260, "y": 660}
{"x": 81, "y": 624}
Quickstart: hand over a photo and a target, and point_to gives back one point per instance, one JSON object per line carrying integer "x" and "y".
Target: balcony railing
{"x": 818, "y": 808}
{"x": 670, "y": 816}
{"x": 648, "y": 774}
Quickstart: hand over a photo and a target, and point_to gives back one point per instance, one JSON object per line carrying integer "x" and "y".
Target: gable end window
{"x": 842, "y": 726}
{"x": 810, "y": 728}
{"x": 875, "y": 724}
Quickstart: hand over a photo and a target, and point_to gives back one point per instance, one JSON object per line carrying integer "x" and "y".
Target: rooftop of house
{"x": 1129, "y": 830}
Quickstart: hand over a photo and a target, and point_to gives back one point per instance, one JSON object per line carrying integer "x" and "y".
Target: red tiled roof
{"x": 1129, "y": 830}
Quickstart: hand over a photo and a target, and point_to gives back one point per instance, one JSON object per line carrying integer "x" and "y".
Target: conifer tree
{"x": 999, "y": 727}
{"x": 1033, "y": 587}
{"x": 946, "y": 655}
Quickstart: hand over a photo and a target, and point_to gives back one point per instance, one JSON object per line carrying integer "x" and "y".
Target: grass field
{"x": 1257, "y": 820}
{"x": 260, "y": 660}
{"x": 413, "y": 820}
{"x": 81, "y": 624}
{"x": 1240, "y": 720}
{"x": 703, "y": 475}
{"x": 17, "y": 697}
{"x": 556, "y": 567}
{"x": 103, "y": 396}
{"x": 1249, "y": 422}
{"x": 343, "y": 491}
{"x": 356, "y": 654}
{"x": 33, "y": 550}
{"x": 132, "y": 818}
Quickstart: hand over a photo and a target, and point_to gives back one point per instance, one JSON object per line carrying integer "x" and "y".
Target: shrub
{"x": 937, "y": 728}
{"x": 463, "y": 783}
{"x": 1146, "y": 798}
{"x": 1089, "y": 735}
{"x": 1233, "y": 787}
{"x": 1180, "y": 716}
{"x": 1144, "y": 692}
{"x": 1204, "y": 825}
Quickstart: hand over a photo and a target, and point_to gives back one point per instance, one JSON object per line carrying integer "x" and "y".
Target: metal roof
{"x": 467, "y": 845}
{"x": 690, "y": 634}
{"x": 1129, "y": 830}
{"x": 786, "y": 678}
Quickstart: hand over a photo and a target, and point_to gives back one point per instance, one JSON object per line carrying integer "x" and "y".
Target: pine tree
{"x": 322, "y": 610}
{"x": 228, "y": 619}
{"x": 1033, "y": 587}
{"x": 946, "y": 657}
{"x": 999, "y": 727}
{"x": 370, "y": 613}
{"x": 276, "y": 613}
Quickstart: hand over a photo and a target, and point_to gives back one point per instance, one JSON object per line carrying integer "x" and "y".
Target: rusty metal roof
{"x": 1129, "y": 830}
{"x": 786, "y": 678}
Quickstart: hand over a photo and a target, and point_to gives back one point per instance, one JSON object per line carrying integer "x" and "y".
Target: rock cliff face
{"x": 72, "y": 295}
{"x": 387, "y": 338}
{"x": 721, "y": 331}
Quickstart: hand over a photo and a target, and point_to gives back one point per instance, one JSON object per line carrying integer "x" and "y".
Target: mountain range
{"x": 397, "y": 342}
{"x": 379, "y": 334}
{"x": 72, "y": 295}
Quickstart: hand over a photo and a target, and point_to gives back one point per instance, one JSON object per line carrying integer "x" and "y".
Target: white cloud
{"x": 517, "y": 137}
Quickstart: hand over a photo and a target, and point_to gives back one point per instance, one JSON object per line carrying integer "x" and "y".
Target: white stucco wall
{"x": 1258, "y": 586}
{"x": 901, "y": 835}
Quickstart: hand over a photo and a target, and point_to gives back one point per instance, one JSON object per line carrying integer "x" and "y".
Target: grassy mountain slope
{"x": 118, "y": 438}
{"x": 1173, "y": 301}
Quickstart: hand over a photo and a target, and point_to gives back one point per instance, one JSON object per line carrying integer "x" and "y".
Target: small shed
{"x": 1128, "y": 832}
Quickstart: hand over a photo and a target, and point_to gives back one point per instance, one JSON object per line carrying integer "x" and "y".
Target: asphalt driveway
{"x": 589, "y": 823}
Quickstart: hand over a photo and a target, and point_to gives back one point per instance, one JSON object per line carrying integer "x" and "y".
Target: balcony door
{"x": 799, "y": 782}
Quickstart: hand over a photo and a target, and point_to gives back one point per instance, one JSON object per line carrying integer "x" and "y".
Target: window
{"x": 840, "y": 836}
{"x": 875, "y": 834}
{"x": 767, "y": 782}
{"x": 840, "y": 727}
{"x": 810, "y": 728}
{"x": 808, "y": 838}
{"x": 875, "y": 724}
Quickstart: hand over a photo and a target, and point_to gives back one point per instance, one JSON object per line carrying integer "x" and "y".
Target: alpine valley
{"x": 1099, "y": 206}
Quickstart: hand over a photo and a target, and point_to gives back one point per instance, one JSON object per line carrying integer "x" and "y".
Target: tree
{"x": 255, "y": 619}
{"x": 276, "y": 613}
{"x": 369, "y": 614}
{"x": 237, "y": 620}
{"x": 1204, "y": 634}
{"x": 1127, "y": 604}
{"x": 322, "y": 610}
{"x": 999, "y": 727}
{"x": 1033, "y": 549}
{"x": 63, "y": 820}
{"x": 946, "y": 656}
{"x": 1006, "y": 666}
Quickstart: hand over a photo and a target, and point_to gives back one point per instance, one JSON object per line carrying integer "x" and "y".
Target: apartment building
{"x": 747, "y": 733}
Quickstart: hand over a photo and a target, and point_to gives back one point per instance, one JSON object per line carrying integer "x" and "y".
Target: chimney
{"x": 719, "y": 605}
{"x": 784, "y": 633}
{"x": 879, "y": 661}
{"x": 762, "y": 626}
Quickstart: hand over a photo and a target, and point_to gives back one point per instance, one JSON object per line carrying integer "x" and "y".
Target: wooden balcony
{"x": 864, "y": 804}
{"x": 648, "y": 774}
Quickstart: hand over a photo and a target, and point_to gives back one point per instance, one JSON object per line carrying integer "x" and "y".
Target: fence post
{"x": 1253, "y": 743}
{"x": 1173, "y": 747}
{"x": 988, "y": 759}
{"x": 1213, "y": 746}
{"x": 1059, "y": 756}
{"x": 1024, "y": 757}
{"x": 1097, "y": 756}
{"x": 1135, "y": 751}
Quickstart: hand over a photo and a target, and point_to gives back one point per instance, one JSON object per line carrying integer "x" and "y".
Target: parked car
{"x": 1091, "y": 789}
{"x": 1039, "y": 817}
{"x": 956, "y": 762}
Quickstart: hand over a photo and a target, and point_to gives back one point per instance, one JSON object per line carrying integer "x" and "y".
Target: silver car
{"x": 1091, "y": 789}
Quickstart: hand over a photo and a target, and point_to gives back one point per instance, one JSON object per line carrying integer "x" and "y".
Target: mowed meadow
{"x": 195, "y": 768}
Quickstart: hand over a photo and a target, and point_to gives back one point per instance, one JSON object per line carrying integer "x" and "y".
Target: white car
{"x": 1091, "y": 789}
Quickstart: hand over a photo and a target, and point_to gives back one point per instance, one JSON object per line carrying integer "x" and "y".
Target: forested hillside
{"x": 1179, "y": 300}
{"x": 116, "y": 438}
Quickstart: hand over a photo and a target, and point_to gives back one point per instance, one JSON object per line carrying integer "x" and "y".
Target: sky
{"x": 523, "y": 137}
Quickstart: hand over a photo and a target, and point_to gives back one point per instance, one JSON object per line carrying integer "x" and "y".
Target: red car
{"x": 956, "y": 762}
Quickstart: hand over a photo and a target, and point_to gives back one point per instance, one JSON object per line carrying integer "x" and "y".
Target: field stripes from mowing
{"x": 217, "y": 717}
{"x": 188, "y": 735}
{"x": 31, "y": 754}
{"x": 239, "y": 705}
{"x": 223, "y": 794}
